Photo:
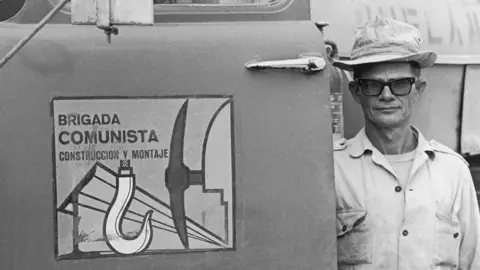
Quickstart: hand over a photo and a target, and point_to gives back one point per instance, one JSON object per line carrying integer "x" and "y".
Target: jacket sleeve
{"x": 469, "y": 218}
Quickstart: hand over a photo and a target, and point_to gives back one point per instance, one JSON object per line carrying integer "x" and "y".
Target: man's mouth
{"x": 387, "y": 109}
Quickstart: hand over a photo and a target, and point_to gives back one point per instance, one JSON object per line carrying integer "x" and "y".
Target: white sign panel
{"x": 136, "y": 176}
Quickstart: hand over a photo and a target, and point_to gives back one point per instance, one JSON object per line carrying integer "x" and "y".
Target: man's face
{"x": 387, "y": 109}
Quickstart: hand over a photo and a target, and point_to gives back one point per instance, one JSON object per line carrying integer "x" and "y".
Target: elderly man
{"x": 402, "y": 202}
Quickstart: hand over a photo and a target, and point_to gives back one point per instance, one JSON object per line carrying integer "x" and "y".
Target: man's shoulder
{"x": 443, "y": 149}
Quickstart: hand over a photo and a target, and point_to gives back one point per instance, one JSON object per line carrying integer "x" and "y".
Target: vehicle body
{"x": 68, "y": 93}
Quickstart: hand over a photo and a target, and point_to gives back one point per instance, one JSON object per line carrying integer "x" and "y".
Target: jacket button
{"x": 398, "y": 188}
{"x": 344, "y": 228}
{"x": 405, "y": 233}
{"x": 455, "y": 235}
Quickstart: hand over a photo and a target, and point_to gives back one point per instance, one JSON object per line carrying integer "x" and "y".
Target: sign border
{"x": 58, "y": 257}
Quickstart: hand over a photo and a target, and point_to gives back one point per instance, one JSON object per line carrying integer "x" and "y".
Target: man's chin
{"x": 388, "y": 122}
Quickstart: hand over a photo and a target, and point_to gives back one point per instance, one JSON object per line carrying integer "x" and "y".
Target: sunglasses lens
{"x": 370, "y": 87}
{"x": 401, "y": 87}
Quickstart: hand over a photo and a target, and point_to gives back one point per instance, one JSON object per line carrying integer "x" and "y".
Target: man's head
{"x": 386, "y": 61}
{"x": 387, "y": 91}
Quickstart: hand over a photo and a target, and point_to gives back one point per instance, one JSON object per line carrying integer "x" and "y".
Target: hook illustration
{"x": 114, "y": 236}
{"x": 178, "y": 177}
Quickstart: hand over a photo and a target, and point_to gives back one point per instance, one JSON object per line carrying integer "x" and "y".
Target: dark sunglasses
{"x": 399, "y": 87}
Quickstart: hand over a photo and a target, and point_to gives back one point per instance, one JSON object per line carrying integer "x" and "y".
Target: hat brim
{"x": 423, "y": 59}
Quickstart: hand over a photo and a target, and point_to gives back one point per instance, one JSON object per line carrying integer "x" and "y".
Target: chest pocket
{"x": 354, "y": 239}
{"x": 447, "y": 242}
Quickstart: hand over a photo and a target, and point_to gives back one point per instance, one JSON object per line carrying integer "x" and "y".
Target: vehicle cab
{"x": 203, "y": 141}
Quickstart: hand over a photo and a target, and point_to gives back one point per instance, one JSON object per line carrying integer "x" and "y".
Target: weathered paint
{"x": 83, "y": 12}
{"x": 139, "y": 12}
{"x": 283, "y": 157}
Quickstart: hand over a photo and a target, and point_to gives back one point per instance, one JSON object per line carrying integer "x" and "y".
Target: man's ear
{"x": 420, "y": 86}
{"x": 354, "y": 90}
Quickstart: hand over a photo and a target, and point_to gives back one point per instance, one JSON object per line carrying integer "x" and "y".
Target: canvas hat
{"x": 386, "y": 40}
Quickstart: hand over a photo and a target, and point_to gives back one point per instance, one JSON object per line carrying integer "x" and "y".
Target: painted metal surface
{"x": 104, "y": 13}
{"x": 449, "y": 27}
{"x": 32, "y": 34}
{"x": 283, "y": 164}
{"x": 470, "y": 135}
{"x": 130, "y": 12}
{"x": 102, "y": 10}
{"x": 284, "y": 10}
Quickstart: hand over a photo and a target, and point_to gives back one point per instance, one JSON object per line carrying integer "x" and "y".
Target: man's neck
{"x": 391, "y": 140}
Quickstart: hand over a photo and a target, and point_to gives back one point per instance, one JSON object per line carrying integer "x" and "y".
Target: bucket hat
{"x": 383, "y": 39}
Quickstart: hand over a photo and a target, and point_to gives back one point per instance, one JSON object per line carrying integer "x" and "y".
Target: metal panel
{"x": 470, "y": 140}
{"x": 284, "y": 188}
{"x": 294, "y": 10}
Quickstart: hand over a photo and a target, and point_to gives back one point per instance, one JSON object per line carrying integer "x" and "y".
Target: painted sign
{"x": 448, "y": 27}
{"x": 136, "y": 176}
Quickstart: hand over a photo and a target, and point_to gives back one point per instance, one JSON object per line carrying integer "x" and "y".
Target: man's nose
{"x": 386, "y": 93}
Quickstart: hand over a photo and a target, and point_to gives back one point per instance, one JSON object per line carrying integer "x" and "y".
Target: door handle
{"x": 306, "y": 64}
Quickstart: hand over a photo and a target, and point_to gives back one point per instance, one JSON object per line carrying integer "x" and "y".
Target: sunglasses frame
{"x": 383, "y": 84}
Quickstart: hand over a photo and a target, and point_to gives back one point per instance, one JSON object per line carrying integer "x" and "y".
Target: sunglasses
{"x": 399, "y": 87}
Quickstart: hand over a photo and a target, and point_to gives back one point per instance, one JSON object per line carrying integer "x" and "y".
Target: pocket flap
{"x": 447, "y": 225}
{"x": 447, "y": 219}
{"x": 346, "y": 221}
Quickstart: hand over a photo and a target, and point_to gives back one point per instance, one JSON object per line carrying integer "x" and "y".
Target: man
{"x": 402, "y": 202}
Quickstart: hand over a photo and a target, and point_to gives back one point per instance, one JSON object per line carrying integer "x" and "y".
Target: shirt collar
{"x": 360, "y": 143}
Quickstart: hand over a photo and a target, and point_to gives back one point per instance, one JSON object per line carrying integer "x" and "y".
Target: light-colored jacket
{"x": 434, "y": 223}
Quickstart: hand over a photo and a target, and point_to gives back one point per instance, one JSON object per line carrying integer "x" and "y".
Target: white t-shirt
{"x": 402, "y": 165}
